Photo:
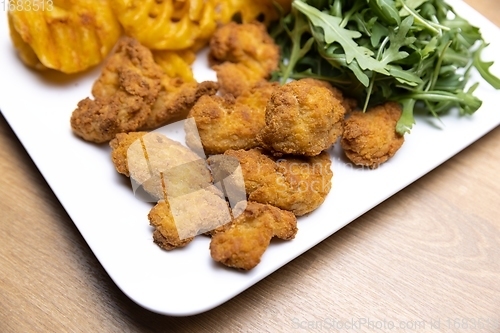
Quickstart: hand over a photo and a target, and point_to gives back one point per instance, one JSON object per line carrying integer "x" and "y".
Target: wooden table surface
{"x": 427, "y": 259}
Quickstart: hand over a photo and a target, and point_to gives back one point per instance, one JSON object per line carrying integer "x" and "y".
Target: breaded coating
{"x": 124, "y": 93}
{"x": 297, "y": 184}
{"x": 242, "y": 244}
{"x": 226, "y": 123}
{"x": 370, "y": 138}
{"x": 161, "y": 166}
{"x": 165, "y": 233}
{"x": 134, "y": 93}
{"x": 175, "y": 99}
{"x": 189, "y": 204}
{"x": 303, "y": 119}
{"x": 242, "y": 55}
{"x": 119, "y": 148}
{"x": 228, "y": 176}
{"x": 132, "y": 59}
{"x": 177, "y": 220}
{"x": 349, "y": 104}
{"x": 235, "y": 79}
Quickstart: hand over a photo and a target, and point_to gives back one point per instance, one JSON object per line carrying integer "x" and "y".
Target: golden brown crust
{"x": 179, "y": 219}
{"x": 165, "y": 233}
{"x": 242, "y": 55}
{"x": 159, "y": 164}
{"x": 297, "y": 184}
{"x": 370, "y": 138}
{"x": 131, "y": 67}
{"x": 349, "y": 104}
{"x": 175, "y": 99}
{"x": 119, "y": 148}
{"x": 124, "y": 93}
{"x": 225, "y": 123}
{"x": 242, "y": 243}
{"x": 302, "y": 118}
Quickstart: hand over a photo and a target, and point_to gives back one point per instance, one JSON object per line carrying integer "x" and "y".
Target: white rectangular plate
{"x": 115, "y": 225}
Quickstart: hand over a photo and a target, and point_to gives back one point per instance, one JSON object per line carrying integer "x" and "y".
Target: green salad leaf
{"x": 416, "y": 52}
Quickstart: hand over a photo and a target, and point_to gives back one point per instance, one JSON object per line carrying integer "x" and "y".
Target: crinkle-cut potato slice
{"x": 166, "y": 24}
{"x": 183, "y": 24}
{"x": 176, "y": 64}
{"x": 264, "y": 11}
{"x": 69, "y": 36}
{"x": 25, "y": 51}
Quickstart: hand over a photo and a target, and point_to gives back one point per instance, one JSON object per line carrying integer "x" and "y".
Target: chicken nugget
{"x": 119, "y": 150}
{"x": 189, "y": 204}
{"x": 242, "y": 55}
{"x": 349, "y": 104}
{"x": 302, "y": 119}
{"x": 129, "y": 57}
{"x": 177, "y": 220}
{"x": 124, "y": 93}
{"x": 165, "y": 233}
{"x": 225, "y": 123}
{"x": 243, "y": 242}
{"x": 297, "y": 184}
{"x": 160, "y": 166}
{"x": 175, "y": 99}
{"x": 370, "y": 138}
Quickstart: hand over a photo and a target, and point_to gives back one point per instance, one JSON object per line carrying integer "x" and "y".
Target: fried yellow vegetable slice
{"x": 183, "y": 24}
{"x": 162, "y": 25}
{"x": 246, "y": 11}
{"x": 68, "y": 36}
{"x": 25, "y": 51}
{"x": 176, "y": 64}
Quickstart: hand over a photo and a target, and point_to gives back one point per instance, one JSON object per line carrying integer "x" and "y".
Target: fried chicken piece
{"x": 297, "y": 184}
{"x": 165, "y": 233}
{"x": 175, "y": 99}
{"x": 228, "y": 177}
{"x": 370, "y": 138}
{"x": 124, "y": 93}
{"x": 189, "y": 203}
{"x": 243, "y": 242}
{"x": 349, "y": 104}
{"x": 178, "y": 220}
{"x": 302, "y": 118}
{"x": 242, "y": 55}
{"x": 119, "y": 149}
{"x": 134, "y": 93}
{"x": 226, "y": 123}
{"x": 235, "y": 79}
{"x": 161, "y": 166}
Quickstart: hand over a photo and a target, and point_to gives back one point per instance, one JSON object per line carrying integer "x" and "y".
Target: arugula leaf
{"x": 398, "y": 40}
{"x": 484, "y": 68}
{"x": 378, "y": 31}
{"x": 417, "y": 52}
{"x": 298, "y": 50}
{"x": 413, "y": 4}
{"x": 334, "y": 33}
{"x": 339, "y": 60}
{"x": 406, "y": 121}
{"x": 385, "y": 10}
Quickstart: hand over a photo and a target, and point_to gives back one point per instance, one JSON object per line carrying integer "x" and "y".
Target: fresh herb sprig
{"x": 416, "y": 52}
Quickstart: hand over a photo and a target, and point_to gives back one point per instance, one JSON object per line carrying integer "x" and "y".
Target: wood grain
{"x": 427, "y": 259}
